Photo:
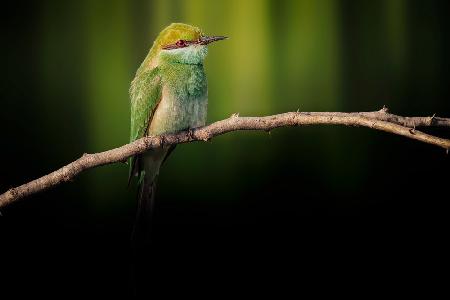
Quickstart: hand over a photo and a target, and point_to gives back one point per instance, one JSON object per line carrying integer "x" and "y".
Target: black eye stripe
{"x": 179, "y": 44}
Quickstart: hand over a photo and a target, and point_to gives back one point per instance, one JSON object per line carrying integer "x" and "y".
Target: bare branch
{"x": 379, "y": 120}
{"x": 383, "y": 115}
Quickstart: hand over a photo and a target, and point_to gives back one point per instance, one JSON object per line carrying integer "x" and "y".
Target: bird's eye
{"x": 181, "y": 43}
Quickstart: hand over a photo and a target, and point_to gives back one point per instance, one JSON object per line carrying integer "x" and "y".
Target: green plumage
{"x": 181, "y": 75}
{"x": 168, "y": 94}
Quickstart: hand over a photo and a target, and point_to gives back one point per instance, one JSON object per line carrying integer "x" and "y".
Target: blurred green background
{"x": 68, "y": 66}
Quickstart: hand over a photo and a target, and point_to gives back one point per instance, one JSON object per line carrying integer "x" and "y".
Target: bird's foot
{"x": 190, "y": 133}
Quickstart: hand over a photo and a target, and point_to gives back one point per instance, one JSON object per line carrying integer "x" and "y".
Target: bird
{"x": 168, "y": 94}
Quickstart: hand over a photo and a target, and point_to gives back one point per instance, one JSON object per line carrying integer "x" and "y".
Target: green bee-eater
{"x": 168, "y": 94}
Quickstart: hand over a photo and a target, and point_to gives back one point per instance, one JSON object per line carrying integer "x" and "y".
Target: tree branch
{"x": 378, "y": 120}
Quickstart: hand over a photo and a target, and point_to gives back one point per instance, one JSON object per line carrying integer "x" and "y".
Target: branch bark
{"x": 378, "y": 120}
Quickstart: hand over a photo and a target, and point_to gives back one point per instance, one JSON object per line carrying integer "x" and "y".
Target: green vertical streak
{"x": 108, "y": 72}
{"x": 249, "y": 48}
{"x": 312, "y": 55}
{"x": 395, "y": 12}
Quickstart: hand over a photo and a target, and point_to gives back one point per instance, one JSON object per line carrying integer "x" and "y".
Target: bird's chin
{"x": 192, "y": 55}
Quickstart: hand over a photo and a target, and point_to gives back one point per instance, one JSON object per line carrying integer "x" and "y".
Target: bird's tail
{"x": 145, "y": 206}
{"x": 150, "y": 164}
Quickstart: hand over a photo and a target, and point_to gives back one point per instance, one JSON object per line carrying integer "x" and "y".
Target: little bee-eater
{"x": 168, "y": 94}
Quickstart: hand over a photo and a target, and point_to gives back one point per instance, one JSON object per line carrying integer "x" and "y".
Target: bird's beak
{"x": 205, "y": 40}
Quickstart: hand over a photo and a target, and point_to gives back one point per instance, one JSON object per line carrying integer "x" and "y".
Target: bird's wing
{"x": 145, "y": 94}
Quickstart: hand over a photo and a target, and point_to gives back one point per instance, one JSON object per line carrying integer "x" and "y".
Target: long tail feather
{"x": 145, "y": 207}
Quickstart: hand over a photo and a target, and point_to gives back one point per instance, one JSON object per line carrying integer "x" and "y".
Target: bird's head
{"x": 181, "y": 43}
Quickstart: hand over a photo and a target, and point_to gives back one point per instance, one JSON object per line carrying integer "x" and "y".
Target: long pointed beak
{"x": 205, "y": 40}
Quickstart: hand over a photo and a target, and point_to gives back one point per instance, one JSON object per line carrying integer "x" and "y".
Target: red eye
{"x": 181, "y": 43}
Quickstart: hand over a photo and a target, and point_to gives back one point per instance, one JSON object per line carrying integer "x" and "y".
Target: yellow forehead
{"x": 178, "y": 31}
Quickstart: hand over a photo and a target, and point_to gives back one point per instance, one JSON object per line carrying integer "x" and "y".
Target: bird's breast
{"x": 183, "y": 104}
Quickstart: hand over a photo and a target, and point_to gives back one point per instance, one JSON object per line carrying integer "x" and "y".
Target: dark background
{"x": 299, "y": 205}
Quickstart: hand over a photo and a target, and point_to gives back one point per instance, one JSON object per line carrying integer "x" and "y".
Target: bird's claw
{"x": 190, "y": 133}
